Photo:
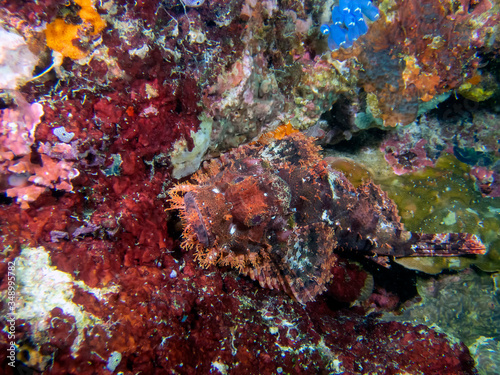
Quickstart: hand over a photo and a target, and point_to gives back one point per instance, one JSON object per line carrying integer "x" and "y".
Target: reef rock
{"x": 279, "y": 213}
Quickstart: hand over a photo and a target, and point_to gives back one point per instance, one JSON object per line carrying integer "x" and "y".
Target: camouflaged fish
{"x": 278, "y": 213}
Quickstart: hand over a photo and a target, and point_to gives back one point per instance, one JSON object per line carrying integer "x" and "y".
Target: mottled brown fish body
{"x": 277, "y": 212}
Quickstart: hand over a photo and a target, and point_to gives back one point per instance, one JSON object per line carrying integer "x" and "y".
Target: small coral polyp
{"x": 277, "y": 212}
{"x": 349, "y": 22}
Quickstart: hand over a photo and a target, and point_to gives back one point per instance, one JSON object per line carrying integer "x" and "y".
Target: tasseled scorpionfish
{"x": 278, "y": 213}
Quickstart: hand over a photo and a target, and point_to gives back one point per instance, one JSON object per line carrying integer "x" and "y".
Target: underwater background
{"x": 111, "y": 261}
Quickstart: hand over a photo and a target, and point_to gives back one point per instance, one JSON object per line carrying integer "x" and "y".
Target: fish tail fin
{"x": 443, "y": 244}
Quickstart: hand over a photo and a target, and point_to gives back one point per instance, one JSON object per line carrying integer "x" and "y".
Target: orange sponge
{"x": 90, "y": 15}
{"x": 279, "y": 133}
{"x": 61, "y": 35}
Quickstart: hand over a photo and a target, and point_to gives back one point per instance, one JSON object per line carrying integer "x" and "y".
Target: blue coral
{"x": 349, "y": 22}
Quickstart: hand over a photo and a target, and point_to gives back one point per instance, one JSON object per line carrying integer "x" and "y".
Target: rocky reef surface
{"x": 106, "y": 105}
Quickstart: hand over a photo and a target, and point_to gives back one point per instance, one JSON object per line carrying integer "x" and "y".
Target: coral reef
{"x": 419, "y": 50}
{"x": 158, "y": 312}
{"x": 488, "y": 181}
{"x": 465, "y": 306}
{"x": 131, "y": 95}
{"x": 275, "y": 75}
{"x": 276, "y": 212}
{"x": 454, "y": 149}
{"x": 479, "y": 88}
{"x": 184, "y": 161}
{"x": 459, "y": 127}
{"x": 404, "y": 158}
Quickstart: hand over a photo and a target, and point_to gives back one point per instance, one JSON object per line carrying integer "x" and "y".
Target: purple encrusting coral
{"x": 104, "y": 103}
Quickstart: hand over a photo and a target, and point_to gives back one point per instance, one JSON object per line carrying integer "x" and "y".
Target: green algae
{"x": 437, "y": 199}
{"x": 465, "y": 305}
{"x": 444, "y": 199}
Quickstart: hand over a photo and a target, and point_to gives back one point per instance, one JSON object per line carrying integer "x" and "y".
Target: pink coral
{"x": 20, "y": 177}
{"x": 25, "y": 194}
{"x": 33, "y": 179}
{"x": 54, "y": 174}
{"x": 17, "y": 128}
